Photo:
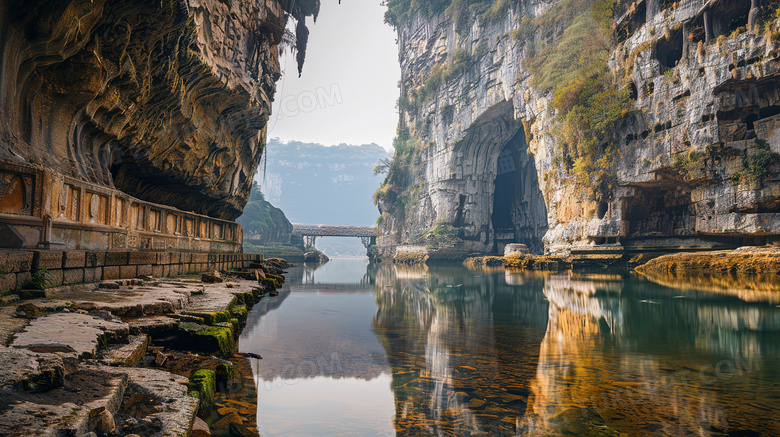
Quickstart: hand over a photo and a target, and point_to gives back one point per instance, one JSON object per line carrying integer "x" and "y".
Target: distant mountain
{"x": 314, "y": 184}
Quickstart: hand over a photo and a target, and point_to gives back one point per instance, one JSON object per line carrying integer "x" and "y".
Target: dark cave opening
{"x": 635, "y": 20}
{"x": 519, "y": 214}
{"x": 659, "y": 211}
{"x": 729, "y": 16}
{"x": 602, "y": 210}
{"x": 670, "y": 50}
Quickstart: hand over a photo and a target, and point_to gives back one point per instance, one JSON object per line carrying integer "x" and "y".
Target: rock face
{"x": 263, "y": 223}
{"x": 166, "y": 101}
{"x": 694, "y": 159}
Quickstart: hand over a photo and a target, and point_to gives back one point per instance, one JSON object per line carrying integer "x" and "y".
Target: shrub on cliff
{"x": 587, "y": 97}
{"x": 400, "y": 12}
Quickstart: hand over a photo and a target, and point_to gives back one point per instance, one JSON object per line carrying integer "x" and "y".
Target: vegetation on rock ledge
{"x": 587, "y": 96}
{"x": 401, "y": 12}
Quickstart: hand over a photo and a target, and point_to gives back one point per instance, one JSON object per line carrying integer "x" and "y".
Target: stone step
{"x": 126, "y": 355}
{"x": 155, "y": 396}
{"x": 152, "y": 326}
{"x": 27, "y": 371}
{"x": 216, "y": 298}
{"x": 74, "y": 334}
{"x": 131, "y": 301}
{"x": 85, "y": 402}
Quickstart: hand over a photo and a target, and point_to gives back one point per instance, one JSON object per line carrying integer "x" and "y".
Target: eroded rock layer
{"x": 166, "y": 101}
{"x": 689, "y": 158}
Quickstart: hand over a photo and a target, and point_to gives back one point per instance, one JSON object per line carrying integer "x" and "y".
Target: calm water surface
{"x": 355, "y": 349}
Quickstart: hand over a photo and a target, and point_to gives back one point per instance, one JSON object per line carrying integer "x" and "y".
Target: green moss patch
{"x": 226, "y": 372}
{"x": 240, "y": 312}
{"x": 217, "y": 340}
{"x": 203, "y": 385}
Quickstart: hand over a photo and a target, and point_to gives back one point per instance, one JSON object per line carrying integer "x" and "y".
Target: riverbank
{"x": 744, "y": 260}
{"x": 146, "y": 356}
{"x": 517, "y": 261}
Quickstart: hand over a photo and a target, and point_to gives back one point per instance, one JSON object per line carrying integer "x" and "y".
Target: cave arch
{"x": 669, "y": 51}
{"x": 518, "y": 213}
{"x": 466, "y": 192}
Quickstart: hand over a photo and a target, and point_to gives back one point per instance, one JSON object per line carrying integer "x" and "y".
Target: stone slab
{"x": 93, "y": 274}
{"x": 47, "y": 260}
{"x": 145, "y": 270}
{"x": 23, "y": 370}
{"x": 128, "y": 272}
{"x": 116, "y": 258}
{"x": 74, "y": 333}
{"x": 73, "y": 276}
{"x": 142, "y": 258}
{"x": 111, "y": 272}
{"x": 95, "y": 259}
{"x": 215, "y": 297}
{"x": 64, "y": 411}
{"x": 18, "y": 261}
{"x": 126, "y": 355}
{"x": 73, "y": 259}
{"x": 152, "y": 325}
{"x": 126, "y": 301}
{"x": 176, "y": 410}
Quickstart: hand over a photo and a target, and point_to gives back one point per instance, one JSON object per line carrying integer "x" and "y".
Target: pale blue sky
{"x": 349, "y": 87}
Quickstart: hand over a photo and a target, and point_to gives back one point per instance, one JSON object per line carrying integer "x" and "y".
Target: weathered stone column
{"x": 755, "y": 10}
{"x": 707, "y": 25}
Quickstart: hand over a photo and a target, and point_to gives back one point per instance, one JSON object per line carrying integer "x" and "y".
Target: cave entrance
{"x": 519, "y": 213}
{"x": 729, "y": 16}
{"x": 659, "y": 211}
{"x": 670, "y": 50}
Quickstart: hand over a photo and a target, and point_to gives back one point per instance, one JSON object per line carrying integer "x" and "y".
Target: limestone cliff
{"x": 166, "y": 101}
{"x": 666, "y": 140}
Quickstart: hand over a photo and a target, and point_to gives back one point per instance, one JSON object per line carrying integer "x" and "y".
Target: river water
{"x": 352, "y": 349}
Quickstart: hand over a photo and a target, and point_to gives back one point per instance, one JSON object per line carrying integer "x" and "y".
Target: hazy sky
{"x": 348, "y": 90}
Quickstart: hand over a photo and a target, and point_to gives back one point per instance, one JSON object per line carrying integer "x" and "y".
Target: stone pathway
{"x": 69, "y": 333}
{"x": 65, "y": 360}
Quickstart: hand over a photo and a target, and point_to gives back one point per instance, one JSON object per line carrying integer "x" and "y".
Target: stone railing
{"x": 40, "y": 209}
{"x": 72, "y": 267}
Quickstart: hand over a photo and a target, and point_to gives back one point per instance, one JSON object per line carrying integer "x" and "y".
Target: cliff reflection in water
{"x": 569, "y": 354}
{"x": 448, "y": 351}
{"x": 627, "y": 356}
{"x": 463, "y": 348}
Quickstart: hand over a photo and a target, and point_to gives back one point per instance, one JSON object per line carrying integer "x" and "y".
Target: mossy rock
{"x": 233, "y": 325}
{"x": 204, "y": 384}
{"x": 272, "y": 282}
{"x": 217, "y": 340}
{"x": 247, "y": 299}
{"x": 216, "y": 317}
{"x": 29, "y": 311}
{"x": 226, "y": 372}
{"x": 240, "y": 312}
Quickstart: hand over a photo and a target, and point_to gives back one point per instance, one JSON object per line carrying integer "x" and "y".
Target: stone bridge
{"x": 367, "y": 234}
